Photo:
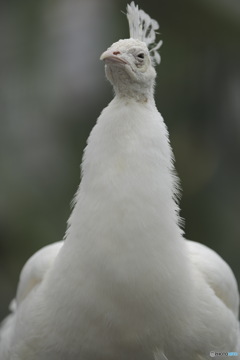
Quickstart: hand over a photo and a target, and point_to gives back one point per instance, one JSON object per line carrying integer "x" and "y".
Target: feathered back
{"x": 143, "y": 28}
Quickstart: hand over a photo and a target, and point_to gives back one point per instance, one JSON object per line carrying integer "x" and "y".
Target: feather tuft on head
{"x": 143, "y": 28}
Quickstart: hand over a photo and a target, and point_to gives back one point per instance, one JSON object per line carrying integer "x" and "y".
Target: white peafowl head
{"x": 129, "y": 63}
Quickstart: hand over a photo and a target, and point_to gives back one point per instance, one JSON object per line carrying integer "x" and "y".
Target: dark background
{"x": 53, "y": 88}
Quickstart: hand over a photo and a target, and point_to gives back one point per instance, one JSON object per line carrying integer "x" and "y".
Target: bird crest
{"x": 143, "y": 28}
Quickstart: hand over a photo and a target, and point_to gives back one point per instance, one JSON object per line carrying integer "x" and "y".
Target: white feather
{"x": 125, "y": 284}
{"x": 143, "y": 28}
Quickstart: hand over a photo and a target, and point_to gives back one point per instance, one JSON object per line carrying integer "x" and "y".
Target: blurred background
{"x": 53, "y": 88}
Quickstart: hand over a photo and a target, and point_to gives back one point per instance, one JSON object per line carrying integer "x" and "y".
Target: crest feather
{"x": 143, "y": 28}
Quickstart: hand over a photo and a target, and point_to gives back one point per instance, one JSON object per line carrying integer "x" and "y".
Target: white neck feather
{"x": 126, "y": 196}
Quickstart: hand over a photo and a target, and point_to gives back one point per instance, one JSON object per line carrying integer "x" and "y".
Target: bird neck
{"x": 136, "y": 92}
{"x": 128, "y": 187}
{"x": 126, "y": 88}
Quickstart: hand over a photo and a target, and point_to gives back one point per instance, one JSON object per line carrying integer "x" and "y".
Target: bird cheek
{"x": 139, "y": 66}
{"x": 142, "y": 67}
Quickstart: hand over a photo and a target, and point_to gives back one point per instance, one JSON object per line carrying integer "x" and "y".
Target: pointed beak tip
{"x": 105, "y": 55}
{"x": 101, "y": 57}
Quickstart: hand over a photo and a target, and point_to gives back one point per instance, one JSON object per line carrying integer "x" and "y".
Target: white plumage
{"x": 125, "y": 284}
{"x": 143, "y": 28}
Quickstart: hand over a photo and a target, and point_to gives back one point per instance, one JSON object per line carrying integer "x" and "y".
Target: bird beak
{"x": 112, "y": 57}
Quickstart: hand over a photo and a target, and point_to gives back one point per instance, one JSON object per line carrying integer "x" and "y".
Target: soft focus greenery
{"x": 53, "y": 88}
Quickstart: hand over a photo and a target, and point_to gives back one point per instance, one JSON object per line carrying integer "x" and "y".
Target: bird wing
{"x": 34, "y": 271}
{"x": 216, "y": 273}
{"x": 32, "y": 275}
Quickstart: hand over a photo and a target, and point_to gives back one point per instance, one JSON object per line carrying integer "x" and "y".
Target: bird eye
{"x": 140, "y": 55}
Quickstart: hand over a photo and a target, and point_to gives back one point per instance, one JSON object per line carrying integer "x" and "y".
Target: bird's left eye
{"x": 140, "y": 55}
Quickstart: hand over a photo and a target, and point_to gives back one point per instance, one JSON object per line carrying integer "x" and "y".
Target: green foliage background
{"x": 53, "y": 88}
